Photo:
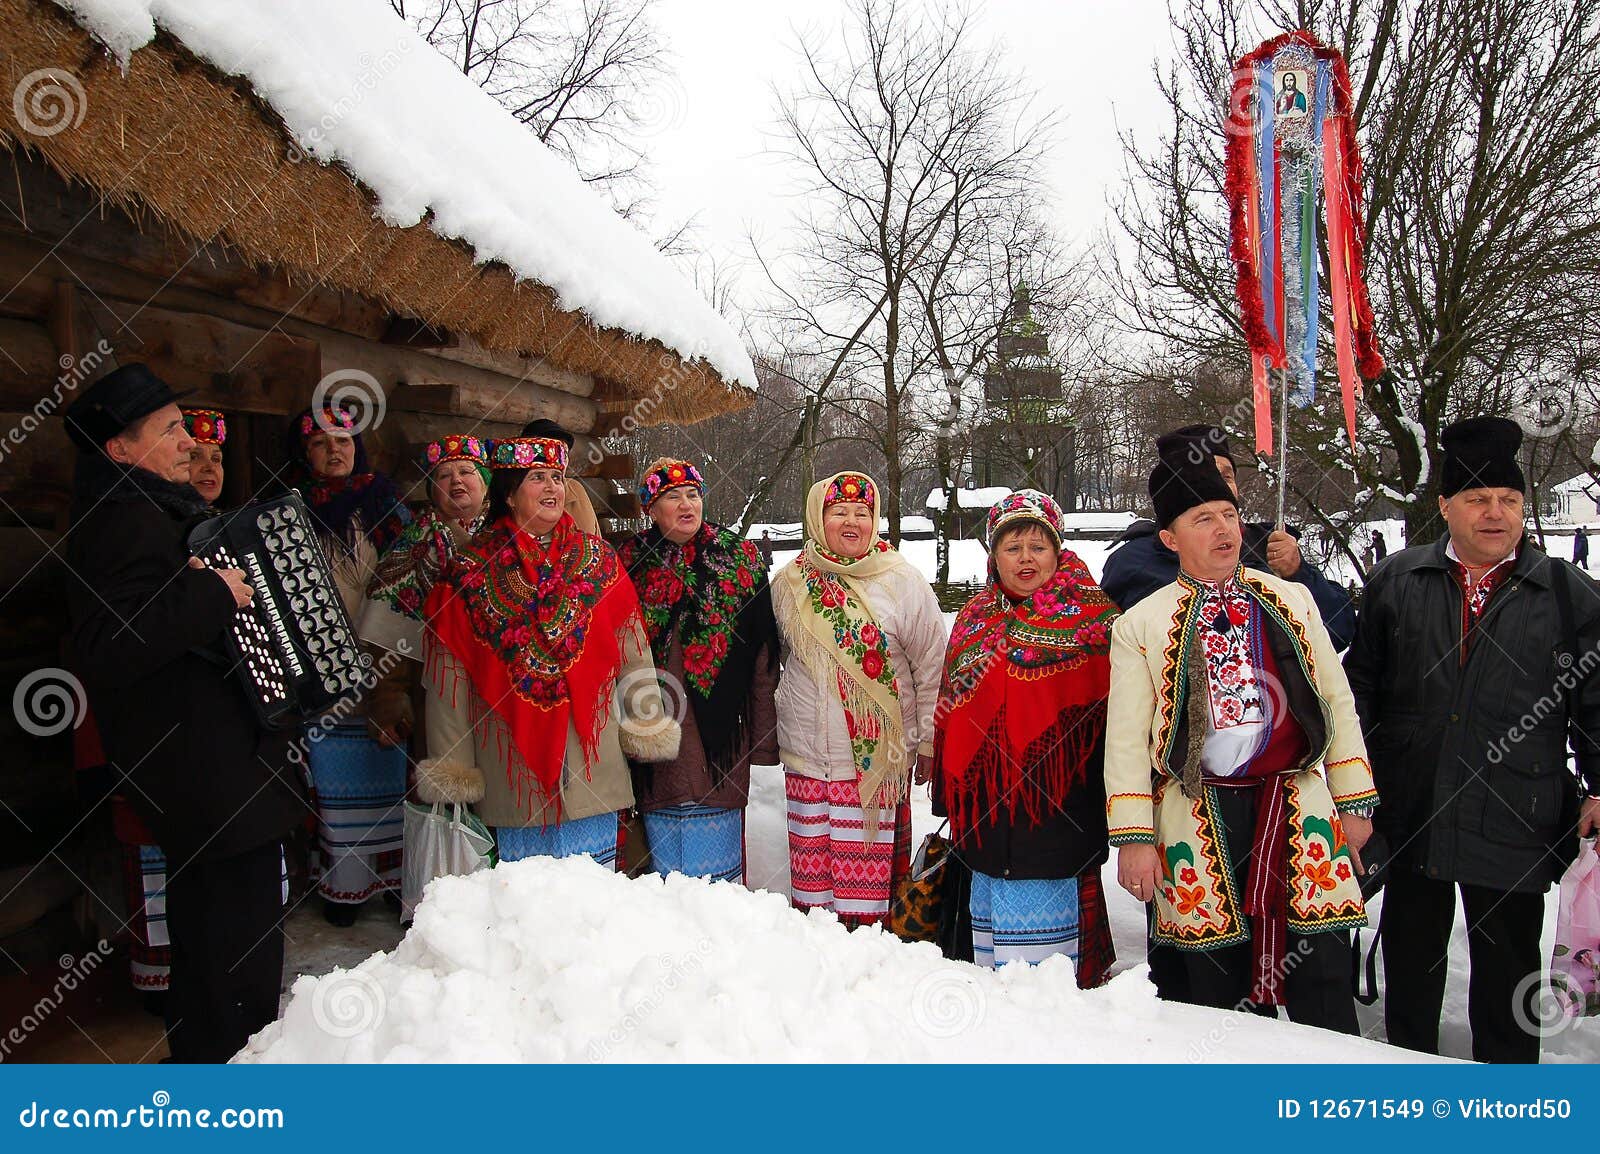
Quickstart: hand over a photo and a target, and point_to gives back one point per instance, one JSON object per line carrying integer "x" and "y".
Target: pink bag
{"x": 1575, "y": 961}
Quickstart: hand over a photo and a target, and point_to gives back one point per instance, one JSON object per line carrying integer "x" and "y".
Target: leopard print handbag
{"x": 918, "y": 910}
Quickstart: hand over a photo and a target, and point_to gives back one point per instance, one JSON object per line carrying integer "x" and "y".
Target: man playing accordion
{"x": 217, "y": 789}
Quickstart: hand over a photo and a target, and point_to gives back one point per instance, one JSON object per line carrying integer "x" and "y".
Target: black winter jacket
{"x": 1470, "y": 758}
{"x": 178, "y": 730}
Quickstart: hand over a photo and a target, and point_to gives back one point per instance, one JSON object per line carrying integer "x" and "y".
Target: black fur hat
{"x": 1185, "y": 475}
{"x": 1481, "y": 453}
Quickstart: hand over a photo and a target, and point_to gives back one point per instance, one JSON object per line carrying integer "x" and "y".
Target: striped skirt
{"x": 698, "y": 841}
{"x": 1025, "y": 920}
{"x": 831, "y": 865}
{"x": 595, "y": 836}
{"x": 361, "y": 790}
{"x": 144, "y": 872}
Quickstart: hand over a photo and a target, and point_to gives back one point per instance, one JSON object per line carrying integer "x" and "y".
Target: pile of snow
{"x": 969, "y": 498}
{"x": 356, "y": 85}
{"x": 350, "y": 1005}
{"x": 549, "y": 960}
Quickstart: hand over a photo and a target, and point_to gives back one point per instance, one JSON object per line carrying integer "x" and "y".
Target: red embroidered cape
{"x": 537, "y": 627}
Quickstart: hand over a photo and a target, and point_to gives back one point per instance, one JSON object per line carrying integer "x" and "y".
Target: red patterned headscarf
{"x": 538, "y": 628}
{"x": 1030, "y": 676}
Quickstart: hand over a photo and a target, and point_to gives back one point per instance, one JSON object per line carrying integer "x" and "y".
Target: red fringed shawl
{"x": 537, "y": 628}
{"x": 1014, "y": 672}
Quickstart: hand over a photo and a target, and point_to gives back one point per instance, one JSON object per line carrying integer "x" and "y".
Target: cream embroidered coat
{"x": 1154, "y": 733}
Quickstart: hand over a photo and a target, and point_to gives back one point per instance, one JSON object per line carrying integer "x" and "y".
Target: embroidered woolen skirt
{"x": 361, "y": 789}
{"x": 697, "y": 841}
{"x": 831, "y": 865}
{"x": 1025, "y": 920}
{"x": 595, "y": 836}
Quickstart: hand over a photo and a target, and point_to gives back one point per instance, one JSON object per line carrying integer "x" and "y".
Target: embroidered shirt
{"x": 1250, "y": 731}
{"x": 1475, "y": 596}
{"x": 1237, "y": 711}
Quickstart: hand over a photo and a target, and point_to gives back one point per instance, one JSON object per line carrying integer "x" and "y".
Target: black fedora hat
{"x": 114, "y": 402}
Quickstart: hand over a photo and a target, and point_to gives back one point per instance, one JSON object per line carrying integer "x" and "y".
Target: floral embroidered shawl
{"x": 537, "y": 627}
{"x": 713, "y": 590}
{"x": 821, "y": 606}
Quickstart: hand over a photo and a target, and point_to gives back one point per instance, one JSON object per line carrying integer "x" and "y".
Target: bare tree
{"x": 1000, "y": 253}
{"x": 1482, "y": 180}
{"x": 586, "y": 76}
{"x": 908, "y": 137}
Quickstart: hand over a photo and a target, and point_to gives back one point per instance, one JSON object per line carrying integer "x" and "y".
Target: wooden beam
{"x": 535, "y": 369}
{"x": 36, "y": 461}
{"x": 414, "y": 334}
{"x": 615, "y": 467}
{"x": 610, "y": 504}
{"x": 77, "y": 220}
{"x": 29, "y": 272}
{"x": 28, "y": 363}
{"x": 67, "y": 326}
{"x": 227, "y": 365}
{"x": 415, "y": 430}
{"x": 72, "y": 220}
{"x": 498, "y": 401}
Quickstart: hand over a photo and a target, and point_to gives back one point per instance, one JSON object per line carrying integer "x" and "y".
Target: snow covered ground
{"x": 559, "y": 961}
{"x": 546, "y": 960}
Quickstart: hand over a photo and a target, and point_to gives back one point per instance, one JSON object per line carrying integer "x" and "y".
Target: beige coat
{"x": 351, "y": 569}
{"x": 467, "y": 760}
{"x": 812, "y": 738}
{"x": 1154, "y": 729}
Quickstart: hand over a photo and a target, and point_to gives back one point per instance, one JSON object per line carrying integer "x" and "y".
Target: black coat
{"x": 179, "y": 732}
{"x": 1470, "y": 759}
{"x": 1141, "y": 564}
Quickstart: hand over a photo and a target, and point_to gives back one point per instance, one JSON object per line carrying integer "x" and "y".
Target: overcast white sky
{"x": 1090, "y": 60}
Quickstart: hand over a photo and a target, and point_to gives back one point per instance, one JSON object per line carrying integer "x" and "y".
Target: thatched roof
{"x": 173, "y": 136}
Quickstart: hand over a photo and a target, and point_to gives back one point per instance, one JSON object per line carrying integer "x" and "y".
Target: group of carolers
{"x": 1207, "y": 730}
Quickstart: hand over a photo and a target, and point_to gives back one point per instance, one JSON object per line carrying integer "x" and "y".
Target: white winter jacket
{"x": 812, "y": 739}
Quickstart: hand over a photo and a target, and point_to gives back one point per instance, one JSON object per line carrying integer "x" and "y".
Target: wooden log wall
{"x": 84, "y": 287}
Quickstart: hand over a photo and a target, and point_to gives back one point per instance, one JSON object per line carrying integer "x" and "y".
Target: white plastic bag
{"x": 440, "y": 840}
{"x": 1575, "y": 961}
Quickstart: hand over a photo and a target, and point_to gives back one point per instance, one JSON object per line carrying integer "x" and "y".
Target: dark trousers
{"x": 1168, "y": 971}
{"x": 1318, "y": 969}
{"x": 1316, "y": 986}
{"x": 225, "y": 919}
{"x": 1502, "y": 948}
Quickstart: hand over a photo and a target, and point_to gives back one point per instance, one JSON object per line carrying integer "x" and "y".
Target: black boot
{"x": 338, "y": 914}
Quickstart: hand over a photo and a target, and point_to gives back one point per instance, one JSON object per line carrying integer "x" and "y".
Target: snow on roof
{"x": 969, "y": 498}
{"x": 1581, "y": 483}
{"x": 356, "y": 85}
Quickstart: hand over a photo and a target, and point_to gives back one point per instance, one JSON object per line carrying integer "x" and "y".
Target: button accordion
{"x": 293, "y": 646}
